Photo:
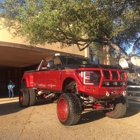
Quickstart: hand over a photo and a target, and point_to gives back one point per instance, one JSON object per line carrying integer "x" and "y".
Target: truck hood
{"x": 93, "y": 66}
{"x": 100, "y": 66}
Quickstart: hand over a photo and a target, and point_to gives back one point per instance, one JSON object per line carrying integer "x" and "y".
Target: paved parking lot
{"x": 40, "y": 122}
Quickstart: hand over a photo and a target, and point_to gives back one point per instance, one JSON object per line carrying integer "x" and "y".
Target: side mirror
{"x": 50, "y": 64}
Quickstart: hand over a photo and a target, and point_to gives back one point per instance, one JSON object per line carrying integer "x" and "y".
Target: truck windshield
{"x": 71, "y": 60}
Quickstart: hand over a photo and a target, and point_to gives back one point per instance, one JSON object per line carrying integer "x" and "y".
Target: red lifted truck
{"x": 76, "y": 84}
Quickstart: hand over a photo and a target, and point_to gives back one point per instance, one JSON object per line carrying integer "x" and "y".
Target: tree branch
{"x": 134, "y": 46}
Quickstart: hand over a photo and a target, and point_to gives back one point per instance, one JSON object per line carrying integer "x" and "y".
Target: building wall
{"x": 6, "y": 36}
{"x": 15, "y": 74}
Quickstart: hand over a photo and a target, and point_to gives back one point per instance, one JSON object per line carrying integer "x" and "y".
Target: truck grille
{"x": 100, "y": 77}
{"x": 114, "y": 78}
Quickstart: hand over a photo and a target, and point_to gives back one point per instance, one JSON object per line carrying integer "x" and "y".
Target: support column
{"x": 87, "y": 52}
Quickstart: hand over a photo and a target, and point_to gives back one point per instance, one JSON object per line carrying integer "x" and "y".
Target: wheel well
{"x": 67, "y": 86}
{"x": 23, "y": 83}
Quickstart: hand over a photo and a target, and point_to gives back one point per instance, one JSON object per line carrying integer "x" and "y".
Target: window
{"x": 44, "y": 65}
{"x": 57, "y": 61}
{"x": 70, "y": 60}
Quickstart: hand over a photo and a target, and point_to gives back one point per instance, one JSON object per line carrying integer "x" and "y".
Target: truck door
{"x": 40, "y": 76}
{"x": 53, "y": 80}
{"x": 53, "y": 76}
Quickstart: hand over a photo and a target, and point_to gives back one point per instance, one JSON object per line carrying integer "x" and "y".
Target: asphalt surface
{"x": 40, "y": 122}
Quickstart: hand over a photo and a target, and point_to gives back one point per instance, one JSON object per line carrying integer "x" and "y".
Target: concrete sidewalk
{"x": 7, "y": 100}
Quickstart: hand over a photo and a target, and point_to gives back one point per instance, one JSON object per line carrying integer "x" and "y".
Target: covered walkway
{"x": 17, "y": 56}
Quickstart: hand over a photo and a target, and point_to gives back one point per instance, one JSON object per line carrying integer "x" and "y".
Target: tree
{"x": 81, "y": 22}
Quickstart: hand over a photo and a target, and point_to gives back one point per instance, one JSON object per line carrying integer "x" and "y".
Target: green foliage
{"x": 79, "y": 22}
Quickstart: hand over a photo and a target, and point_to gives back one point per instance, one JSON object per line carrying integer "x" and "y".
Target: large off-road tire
{"x": 24, "y": 97}
{"x": 69, "y": 109}
{"x": 119, "y": 110}
{"x": 32, "y": 96}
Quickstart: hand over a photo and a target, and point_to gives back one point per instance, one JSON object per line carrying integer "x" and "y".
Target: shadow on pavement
{"x": 133, "y": 109}
{"x": 43, "y": 101}
{"x": 12, "y": 106}
{"x": 91, "y": 116}
{"x": 87, "y": 117}
{"x": 9, "y": 108}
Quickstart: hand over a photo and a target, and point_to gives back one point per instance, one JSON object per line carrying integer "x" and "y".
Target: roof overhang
{"x": 18, "y": 55}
